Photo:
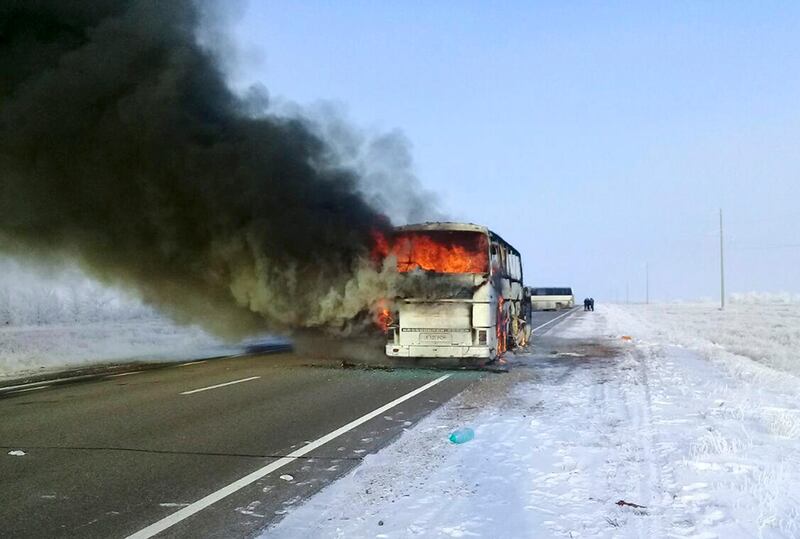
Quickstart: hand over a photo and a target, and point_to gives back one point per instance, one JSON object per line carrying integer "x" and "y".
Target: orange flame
{"x": 501, "y": 327}
{"x": 437, "y": 251}
{"x": 383, "y": 316}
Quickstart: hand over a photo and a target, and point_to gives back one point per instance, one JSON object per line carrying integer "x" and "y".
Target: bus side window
{"x": 497, "y": 261}
{"x": 516, "y": 269}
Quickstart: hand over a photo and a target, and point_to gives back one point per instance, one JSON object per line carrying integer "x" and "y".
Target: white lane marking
{"x": 192, "y": 363}
{"x": 199, "y": 505}
{"x": 554, "y": 319}
{"x": 30, "y": 389}
{"x": 42, "y": 383}
{"x": 220, "y": 385}
{"x": 122, "y": 374}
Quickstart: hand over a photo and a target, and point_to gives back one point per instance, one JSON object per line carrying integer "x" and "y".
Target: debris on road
{"x": 623, "y": 503}
{"x": 462, "y": 436}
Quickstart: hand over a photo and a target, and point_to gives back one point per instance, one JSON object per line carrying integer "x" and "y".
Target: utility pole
{"x": 647, "y": 283}
{"x": 721, "y": 266}
{"x": 627, "y": 293}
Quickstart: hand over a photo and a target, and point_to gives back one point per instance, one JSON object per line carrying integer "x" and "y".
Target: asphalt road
{"x": 132, "y": 453}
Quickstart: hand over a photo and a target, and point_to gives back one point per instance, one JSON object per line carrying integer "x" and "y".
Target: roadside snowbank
{"x": 29, "y": 350}
{"x": 585, "y": 428}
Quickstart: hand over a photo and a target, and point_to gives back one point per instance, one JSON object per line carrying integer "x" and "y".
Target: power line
{"x": 721, "y": 265}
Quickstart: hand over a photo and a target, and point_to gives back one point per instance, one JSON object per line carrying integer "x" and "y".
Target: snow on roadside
{"x": 576, "y": 438}
{"x": 29, "y": 350}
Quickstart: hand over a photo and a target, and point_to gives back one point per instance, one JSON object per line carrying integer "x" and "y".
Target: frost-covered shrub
{"x": 38, "y": 299}
{"x": 758, "y": 298}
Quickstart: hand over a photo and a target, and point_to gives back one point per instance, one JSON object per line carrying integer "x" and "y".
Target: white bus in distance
{"x": 552, "y": 299}
{"x": 483, "y": 320}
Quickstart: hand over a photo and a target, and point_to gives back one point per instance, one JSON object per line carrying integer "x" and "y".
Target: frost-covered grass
{"x": 765, "y": 329}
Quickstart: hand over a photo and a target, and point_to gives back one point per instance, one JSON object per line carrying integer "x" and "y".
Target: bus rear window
{"x": 441, "y": 251}
{"x": 551, "y": 292}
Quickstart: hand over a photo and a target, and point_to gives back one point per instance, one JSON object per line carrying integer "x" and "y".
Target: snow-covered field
{"x": 593, "y": 436}
{"x": 764, "y": 329}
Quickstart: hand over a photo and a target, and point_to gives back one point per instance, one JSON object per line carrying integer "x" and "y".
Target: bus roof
{"x": 444, "y": 226}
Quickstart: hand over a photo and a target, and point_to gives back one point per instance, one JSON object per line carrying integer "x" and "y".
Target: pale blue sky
{"x": 594, "y": 136}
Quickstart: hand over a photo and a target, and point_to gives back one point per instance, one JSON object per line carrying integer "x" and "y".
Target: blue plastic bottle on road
{"x": 461, "y": 436}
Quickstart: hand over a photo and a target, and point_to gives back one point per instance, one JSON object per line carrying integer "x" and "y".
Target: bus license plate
{"x": 434, "y": 337}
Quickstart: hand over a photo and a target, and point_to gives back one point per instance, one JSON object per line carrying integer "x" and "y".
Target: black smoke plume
{"x": 122, "y": 148}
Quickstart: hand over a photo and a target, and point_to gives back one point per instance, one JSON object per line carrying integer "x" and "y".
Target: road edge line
{"x": 574, "y": 309}
{"x": 184, "y": 513}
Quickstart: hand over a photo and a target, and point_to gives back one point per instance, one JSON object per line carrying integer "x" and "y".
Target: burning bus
{"x": 463, "y": 293}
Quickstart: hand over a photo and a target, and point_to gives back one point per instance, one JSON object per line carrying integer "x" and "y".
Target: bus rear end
{"x": 437, "y": 329}
{"x": 451, "y": 316}
{"x": 552, "y": 299}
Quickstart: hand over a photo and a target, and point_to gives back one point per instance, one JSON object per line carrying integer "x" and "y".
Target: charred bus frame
{"x": 482, "y": 323}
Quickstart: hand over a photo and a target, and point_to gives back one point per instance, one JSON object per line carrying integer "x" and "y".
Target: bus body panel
{"x": 452, "y": 329}
{"x": 483, "y": 315}
{"x": 476, "y": 352}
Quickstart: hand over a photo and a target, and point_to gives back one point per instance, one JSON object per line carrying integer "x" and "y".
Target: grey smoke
{"x": 123, "y": 149}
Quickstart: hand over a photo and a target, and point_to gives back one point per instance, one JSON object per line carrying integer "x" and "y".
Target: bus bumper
{"x": 412, "y": 350}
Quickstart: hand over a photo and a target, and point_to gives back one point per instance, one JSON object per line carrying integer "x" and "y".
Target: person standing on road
{"x": 591, "y": 304}
{"x": 586, "y": 304}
